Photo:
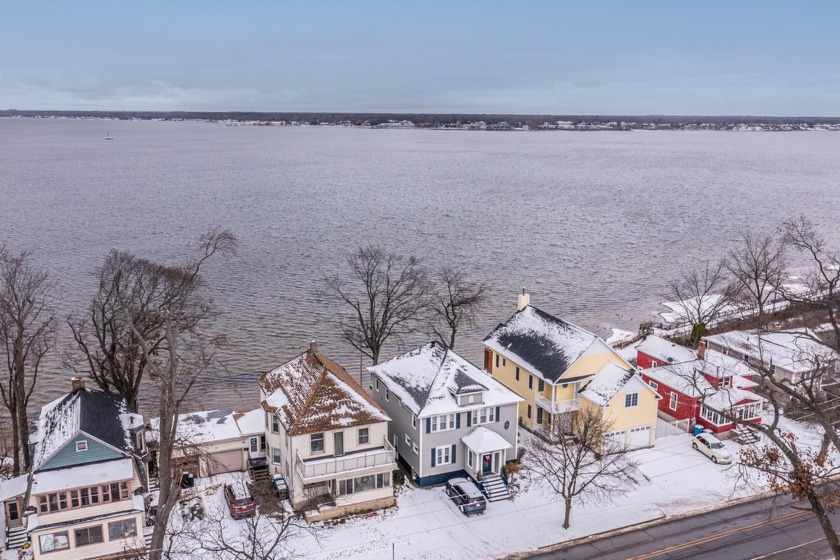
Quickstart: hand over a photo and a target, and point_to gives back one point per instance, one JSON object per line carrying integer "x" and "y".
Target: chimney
{"x": 313, "y": 346}
{"x": 523, "y": 300}
{"x": 777, "y": 326}
{"x": 701, "y": 349}
{"x": 78, "y": 382}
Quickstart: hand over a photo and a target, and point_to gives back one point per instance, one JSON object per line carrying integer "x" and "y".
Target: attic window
{"x": 81, "y": 445}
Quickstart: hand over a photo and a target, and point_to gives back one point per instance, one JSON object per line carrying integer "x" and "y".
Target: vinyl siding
{"x": 67, "y": 456}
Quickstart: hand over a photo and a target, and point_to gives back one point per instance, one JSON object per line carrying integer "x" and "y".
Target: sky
{"x": 774, "y": 58}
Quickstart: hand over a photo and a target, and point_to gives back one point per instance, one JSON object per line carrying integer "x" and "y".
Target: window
{"x": 443, "y": 422}
{"x": 748, "y": 412}
{"x": 94, "y": 495}
{"x": 674, "y": 401}
{"x": 530, "y": 381}
{"x": 443, "y": 455}
{"x": 504, "y": 362}
{"x": 654, "y": 385}
{"x": 539, "y": 415}
{"x": 529, "y": 411}
{"x": 262, "y": 443}
{"x": 275, "y": 425}
{"x": 275, "y": 456}
{"x": 413, "y": 421}
{"x": 470, "y": 459}
{"x": 89, "y": 535}
{"x": 316, "y": 443}
{"x": 74, "y": 498}
{"x": 55, "y": 541}
{"x": 376, "y": 383}
{"x": 122, "y": 529}
{"x": 483, "y": 415}
{"x": 387, "y": 394}
{"x": 517, "y": 373}
{"x": 497, "y": 360}
{"x": 81, "y": 445}
{"x": 712, "y": 416}
{"x": 415, "y": 449}
{"x": 631, "y": 399}
{"x": 726, "y": 382}
{"x": 364, "y": 483}
{"x": 653, "y": 363}
{"x": 407, "y": 440}
{"x": 541, "y": 386}
{"x": 255, "y": 444}
{"x": 364, "y": 436}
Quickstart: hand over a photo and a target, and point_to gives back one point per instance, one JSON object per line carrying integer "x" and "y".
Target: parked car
{"x": 711, "y": 447}
{"x": 278, "y": 484}
{"x": 466, "y": 496}
{"x": 239, "y": 500}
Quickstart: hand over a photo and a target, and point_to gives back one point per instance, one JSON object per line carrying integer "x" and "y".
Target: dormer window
{"x": 81, "y": 445}
{"x": 726, "y": 381}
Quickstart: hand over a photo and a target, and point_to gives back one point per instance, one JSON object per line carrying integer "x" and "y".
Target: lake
{"x": 594, "y": 224}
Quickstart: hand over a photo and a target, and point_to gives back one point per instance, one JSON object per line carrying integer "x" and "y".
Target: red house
{"x": 703, "y": 388}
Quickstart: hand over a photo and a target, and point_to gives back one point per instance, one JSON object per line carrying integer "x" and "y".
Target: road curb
{"x": 660, "y": 520}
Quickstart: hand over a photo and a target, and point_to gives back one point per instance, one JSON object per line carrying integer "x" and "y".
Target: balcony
{"x": 557, "y": 407}
{"x": 323, "y": 468}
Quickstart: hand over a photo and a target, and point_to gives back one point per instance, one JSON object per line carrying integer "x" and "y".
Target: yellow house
{"x": 558, "y": 367}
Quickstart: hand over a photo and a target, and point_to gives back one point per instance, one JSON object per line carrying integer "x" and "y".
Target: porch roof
{"x": 482, "y": 440}
{"x": 13, "y": 487}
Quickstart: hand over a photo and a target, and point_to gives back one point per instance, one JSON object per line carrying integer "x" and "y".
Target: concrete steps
{"x": 495, "y": 488}
{"x": 16, "y": 538}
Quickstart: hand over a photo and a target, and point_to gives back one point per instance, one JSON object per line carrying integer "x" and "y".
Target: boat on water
{"x": 109, "y": 137}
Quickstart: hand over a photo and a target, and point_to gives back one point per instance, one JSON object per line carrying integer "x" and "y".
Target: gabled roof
{"x": 310, "y": 393}
{"x": 665, "y": 351}
{"x": 103, "y": 416}
{"x": 608, "y": 382}
{"x": 427, "y": 380}
{"x": 720, "y": 365}
{"x": 197, "y": 428}
{"x": 793, "y": 350}
{"x": 684, "y": 377}
{"x": 540, "y": 342}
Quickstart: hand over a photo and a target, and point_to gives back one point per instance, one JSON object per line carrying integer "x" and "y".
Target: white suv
{"x": 711, "y": 447}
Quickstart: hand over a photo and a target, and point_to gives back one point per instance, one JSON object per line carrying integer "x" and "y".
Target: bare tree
{"x": 701, "y": 294}
{"x": 579, "y": 462}
{"x": 457, "y": 301}
{"x": 110, "y": 349}
{"x": 176, "y": 355}
{"x": 757, "y": 267}
{"x": 27, "y": 329}
{"x": 824, "y": 276}
{"x": 386, "y": 294}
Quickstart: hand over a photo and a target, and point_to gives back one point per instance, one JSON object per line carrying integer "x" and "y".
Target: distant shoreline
{"x": 479, "y": 122}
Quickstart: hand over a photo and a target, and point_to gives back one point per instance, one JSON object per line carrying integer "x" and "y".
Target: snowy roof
{"x": 666, "y": 351}
{"x": 13, "y": 486}
{"x": 311, "y": 393}
{"x": 540, "y": 342}
{"x": 725, "y": 398}
{"x": 85, "y": 475}
{"x": 196, "y": 428}
{"x": 684, "y": 377}
{"x": 251, "y": 422}
{"x": 720, "y": 365}
{"x": 427, "y": 380}
{"x": 794, "y": 350}
{"x": 482, "y": 440}
{"x": 606, "y": 383}
{"x": 104, "y": 416}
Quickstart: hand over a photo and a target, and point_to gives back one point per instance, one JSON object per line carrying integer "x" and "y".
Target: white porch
{"x": 486, "y": 451}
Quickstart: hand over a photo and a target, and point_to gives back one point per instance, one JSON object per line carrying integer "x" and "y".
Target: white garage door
{"x": 226, "y": 461}
{"x": 620, "y": 438}
{"x": 640, "y": 437}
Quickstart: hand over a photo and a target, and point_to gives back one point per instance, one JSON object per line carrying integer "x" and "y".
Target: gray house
{"x": 449, "y": 418}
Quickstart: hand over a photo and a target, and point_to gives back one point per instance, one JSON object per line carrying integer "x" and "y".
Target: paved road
{"x": 755, "y": 530}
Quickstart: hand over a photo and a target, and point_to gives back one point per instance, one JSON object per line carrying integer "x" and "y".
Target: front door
{"x": 338, "y": 440}
{"x": 13, "y": 513}
{"x": 487, "y": 463}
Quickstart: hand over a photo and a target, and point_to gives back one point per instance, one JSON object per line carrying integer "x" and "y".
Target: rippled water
{"x": 594, "y": 224}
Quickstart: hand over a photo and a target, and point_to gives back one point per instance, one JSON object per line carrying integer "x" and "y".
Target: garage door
{"x": 620, "y": 438}
{"x": 640, "y": 437}
{"x": 227, "y": 461}
{"x": 188, "y": 464}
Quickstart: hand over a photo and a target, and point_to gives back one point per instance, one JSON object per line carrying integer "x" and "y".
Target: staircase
{"x": 746, "y": 435}
{"x": 16, "y": 538}
{"x": 495, "y": 488}
{"x": 154, "y": 484}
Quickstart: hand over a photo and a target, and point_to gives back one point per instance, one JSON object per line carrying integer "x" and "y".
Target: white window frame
{"x": 443, "y": 455}
{"x": 486, "y": 415}
{"x": 276, "y": 456}
{"x": 414, "y": 421}
{"x": 415, "y": 448}
{"x": 713, "y": 416}
{"x": 376, "y": 383}
{"x": 363, "y": 432}
{"x": 633, "y": 398}
{"x": 407, "y": 440}
{"x": 654, "y": 385}
{"x": 254, "y": 444}
{"x": 82, "y": 445}
{"x": 275, "y": 424}
{"x": 469, "y": 458}
{"x": 443, "y": 422}
{"x": 674, "y": 401}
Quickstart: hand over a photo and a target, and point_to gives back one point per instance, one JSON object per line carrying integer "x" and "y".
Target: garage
{"x": 640, "y": 437}
{"x": 620, "y": 438}
{"x": 224, "y": 461}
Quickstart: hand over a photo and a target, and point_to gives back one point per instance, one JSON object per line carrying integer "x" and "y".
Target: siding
{"x": 108, "y": 547}
{"x": 67, "y": 456}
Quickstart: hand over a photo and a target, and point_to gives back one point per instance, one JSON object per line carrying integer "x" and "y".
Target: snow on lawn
{"x": 675, "y": 480}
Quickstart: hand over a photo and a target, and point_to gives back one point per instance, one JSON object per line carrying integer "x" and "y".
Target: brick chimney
{"x": 313, "y": 346}
{"x": 78, "y": 382}
{"x": 701, "y": 349}
{"x": 523, "y": 300}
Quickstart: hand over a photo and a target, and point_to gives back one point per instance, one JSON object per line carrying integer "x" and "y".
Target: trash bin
{"x": 698, "y": 429}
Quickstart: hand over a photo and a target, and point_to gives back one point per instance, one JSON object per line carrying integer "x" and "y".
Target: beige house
{"x": 558, "y": 367}
{"x": 326, "y": 437}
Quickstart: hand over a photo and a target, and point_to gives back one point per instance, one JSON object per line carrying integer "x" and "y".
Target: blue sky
{"x": 630, "y": 57}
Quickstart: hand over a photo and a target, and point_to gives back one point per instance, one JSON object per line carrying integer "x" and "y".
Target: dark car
{"x": 466, "y": 496}
{"x": 278, "y": 484}
{"x": 239, "y": 500}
